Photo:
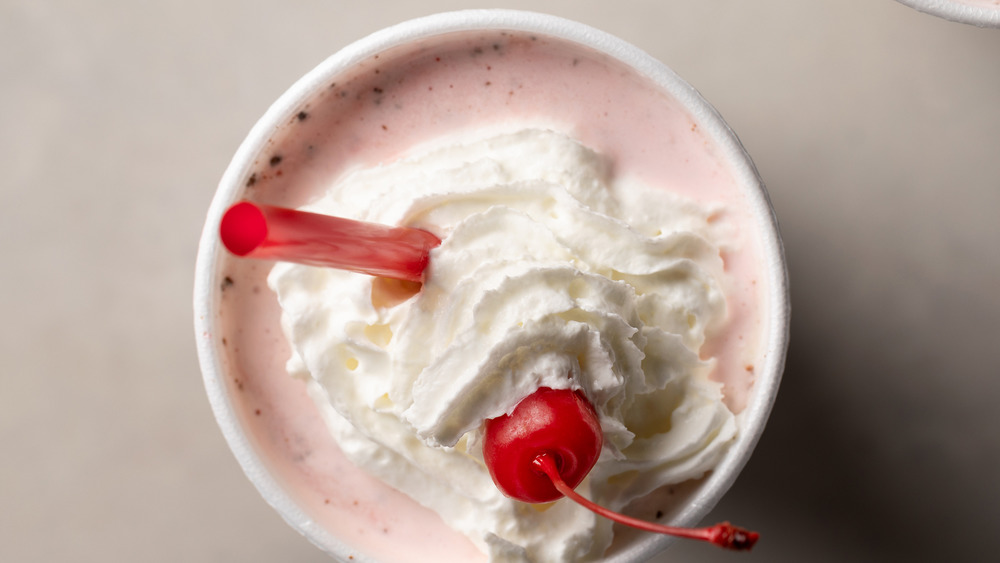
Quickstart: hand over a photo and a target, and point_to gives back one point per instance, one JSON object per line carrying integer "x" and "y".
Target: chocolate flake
{"x": 302, "y": 116}
{"x": 227, "y": 282}
{"x": 252, "y": 180}
{"x": 275, "y": 160}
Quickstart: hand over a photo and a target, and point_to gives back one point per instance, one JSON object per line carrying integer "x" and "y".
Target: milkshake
{"x": 491, "y": 81}
{"x": 982, "y": 13}
{"x": 995, "y": 4}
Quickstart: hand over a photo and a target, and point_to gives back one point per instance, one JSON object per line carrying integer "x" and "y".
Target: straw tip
{"x": 243, "y": 228}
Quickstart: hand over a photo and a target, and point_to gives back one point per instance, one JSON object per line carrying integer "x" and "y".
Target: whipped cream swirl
{"x": 553, "y": 272}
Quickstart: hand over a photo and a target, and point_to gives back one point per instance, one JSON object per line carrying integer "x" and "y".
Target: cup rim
{"x": 754, "y": 416}
{"x": 980, "y": 16}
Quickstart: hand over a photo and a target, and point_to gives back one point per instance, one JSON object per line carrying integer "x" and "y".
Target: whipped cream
{"x": 554, "y": 271}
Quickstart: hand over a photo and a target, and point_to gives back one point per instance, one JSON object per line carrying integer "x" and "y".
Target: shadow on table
{"x": 875, "y": 450}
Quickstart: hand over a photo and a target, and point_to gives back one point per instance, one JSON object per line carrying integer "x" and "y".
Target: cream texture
{"x": 554, "y": 271}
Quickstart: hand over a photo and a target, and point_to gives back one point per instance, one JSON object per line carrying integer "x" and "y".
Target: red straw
{"x": 276, "y": 233}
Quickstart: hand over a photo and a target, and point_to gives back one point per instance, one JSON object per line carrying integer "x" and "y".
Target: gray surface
{"x": 876, "y": 128}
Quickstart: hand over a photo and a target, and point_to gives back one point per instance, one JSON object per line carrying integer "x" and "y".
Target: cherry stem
{"x": 267, "y": 232}
{"x": 723, "y": 534}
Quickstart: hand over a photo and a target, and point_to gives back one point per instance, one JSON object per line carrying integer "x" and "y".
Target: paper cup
{"x": 271, "y": 425}
{"x": 982, "y": 13}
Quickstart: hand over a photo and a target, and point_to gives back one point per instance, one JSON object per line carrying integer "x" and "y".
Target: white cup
{"x": 227, "y": 374}
{"x": 982, "y": 13}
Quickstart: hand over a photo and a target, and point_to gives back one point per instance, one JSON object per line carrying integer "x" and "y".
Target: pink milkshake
{"x": 382, "y": 100}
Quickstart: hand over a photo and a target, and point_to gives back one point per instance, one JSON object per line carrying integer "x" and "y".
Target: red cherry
{"x": 544, "y": 448}
{"x": 558, "y": 422}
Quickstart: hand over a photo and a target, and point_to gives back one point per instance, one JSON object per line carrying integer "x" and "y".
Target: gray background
{"x": 876, "y": 128}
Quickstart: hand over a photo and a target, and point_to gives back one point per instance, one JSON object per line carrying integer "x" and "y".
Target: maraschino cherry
{"x": 559, "y": 423}
{"x": 546, "y": 446}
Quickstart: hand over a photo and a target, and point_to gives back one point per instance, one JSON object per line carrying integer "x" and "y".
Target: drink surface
{"x": 396, "y": 102}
